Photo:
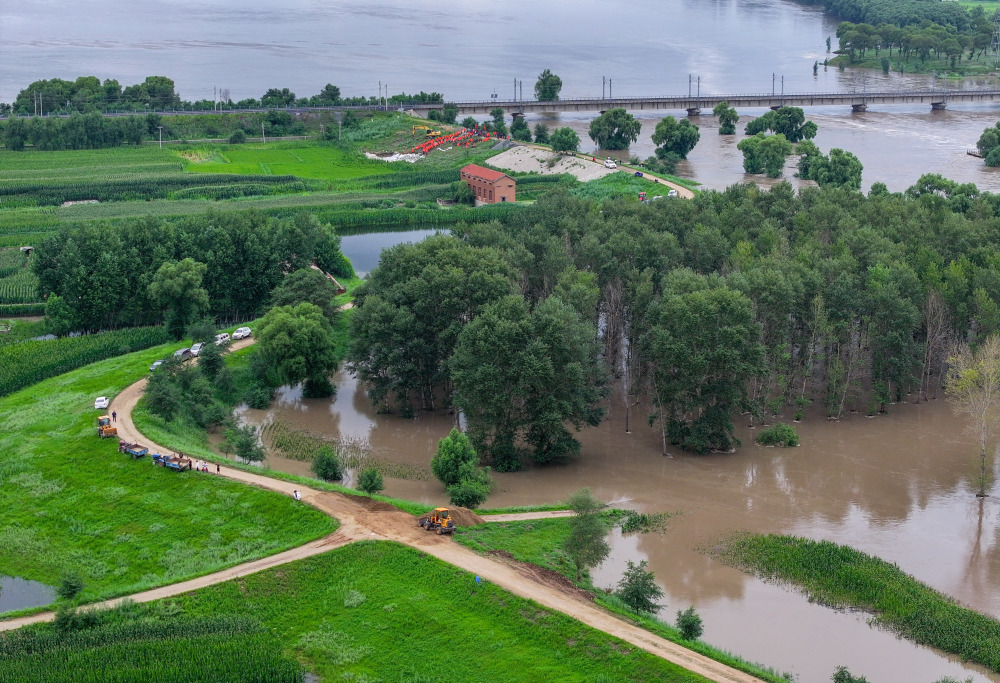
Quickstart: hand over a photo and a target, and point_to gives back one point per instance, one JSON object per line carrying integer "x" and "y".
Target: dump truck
{"x": 105, "y": 428}
{"x": 136, "y": 450}
{"x": 177, "y": 462}
{"x": 440, "y": 520}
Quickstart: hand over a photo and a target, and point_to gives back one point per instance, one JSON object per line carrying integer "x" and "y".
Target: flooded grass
{"x": 420, "y": 619}
{"x": 71, "y": 503}
{"x": 843, "y": 577}
{"x": 541, "y": 541}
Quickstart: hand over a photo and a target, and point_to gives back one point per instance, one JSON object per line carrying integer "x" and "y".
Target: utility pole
{"x": 521, "y": 83}
{"x": 161, "y": 136}
{"x": 262, "y": 137}
{"x": 515, "y": 89}
{"x": 774, "y": 77}
{"x": 610, "y": 96}
{"x": 689, "y": 86}
{"x": 699, "y": 86}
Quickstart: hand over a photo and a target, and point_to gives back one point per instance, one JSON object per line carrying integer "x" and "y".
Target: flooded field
{"x": 896, "y": 486}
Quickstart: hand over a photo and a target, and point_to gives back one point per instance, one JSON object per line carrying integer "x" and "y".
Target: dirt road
{"x": 363, "y": 518}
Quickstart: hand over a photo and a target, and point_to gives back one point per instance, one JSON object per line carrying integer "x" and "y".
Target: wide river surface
{"x": 644, "y": 47}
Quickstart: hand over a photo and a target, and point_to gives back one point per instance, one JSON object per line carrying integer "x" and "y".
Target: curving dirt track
{"x": 358, "y": 521}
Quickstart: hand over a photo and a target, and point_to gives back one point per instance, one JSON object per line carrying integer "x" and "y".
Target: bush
{"x": 70, "y": 585}
{"x": 637, "y": 588}
{"x": 327, "y": 466}
{"x": 210, "y": 360}
{"x": 238, "y": 137}
{"x": 454, "y": 453}
{"x": 370, "y": 482}
{"x": 843, "y": 675}
{"x": 689, "y": 624}
{"x": 469, "y": 493}
{"x": 778, "y": 435}
{"x": 258, "y": 396}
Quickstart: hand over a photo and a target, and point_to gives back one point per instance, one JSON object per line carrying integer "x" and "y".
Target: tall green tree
{"x": 499, "y": 127}
{"x": 297, "y": 344}
{"x": 176, "y": 288}
{"x": 455, "y": 454}
{"x": 974, "y": 390}
{"x": 615, "y": 129}
{"x": 519, "y": 129}
{"x": 586, "y": 545}
{"x": 728, "y": 118}
{"x": 541, "y": 134}
{"x": 307, "y": 285}
{"x": 705, "y": 346}
{"x": 765, "y": 154}
{"x": 547, "y": 87}
{"x": 637, "y": 588}
{"x": 564, "y": 139}
{"x": 673, "y": 137}
{"x": 788, "y": 121}
{"x": 523, "y": 375}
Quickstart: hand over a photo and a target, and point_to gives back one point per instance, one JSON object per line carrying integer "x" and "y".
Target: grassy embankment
{"x": 380, "y": 610}
{"x": 71, "y": 503}
{"x": 840, "y": 576}
{"x": 978, "y": 65}
{"x": 543, "y": 547}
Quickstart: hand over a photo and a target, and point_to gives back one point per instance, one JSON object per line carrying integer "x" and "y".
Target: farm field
{"x": 305, "y": 160}
{"x": 71, "y": 502}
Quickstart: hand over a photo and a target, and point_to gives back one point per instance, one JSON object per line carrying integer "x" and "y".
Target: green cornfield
{"x": 138, "y": 650}
{"x": 11, "y": 261}
{"x": 26, "y": 363}
{"x": 19, "y": 288}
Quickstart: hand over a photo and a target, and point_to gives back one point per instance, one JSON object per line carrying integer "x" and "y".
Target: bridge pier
{"x": 859, "y": 107}
{"x": 694, "y": 111}
{"x": 938, "y": 106}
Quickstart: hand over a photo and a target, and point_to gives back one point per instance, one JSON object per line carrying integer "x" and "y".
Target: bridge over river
{"x": 937, "y": 99}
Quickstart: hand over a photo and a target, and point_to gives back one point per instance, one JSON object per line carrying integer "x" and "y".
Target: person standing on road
{"x": 114, "y": 416}
{"x": 218, "y": 468}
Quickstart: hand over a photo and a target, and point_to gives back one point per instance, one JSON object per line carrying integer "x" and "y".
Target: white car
{"x": 196, "y": 348}
{"x": 101, "y": 403}
{"x": 610, "y": 163}
{"x": 672, "y": 193}
{"x": 242, "y": 333}
{"x": 222, "y": 339}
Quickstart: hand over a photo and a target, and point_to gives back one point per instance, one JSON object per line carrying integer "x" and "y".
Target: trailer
{"x": 136, "y": 450}
{"x": 177, "y": 462}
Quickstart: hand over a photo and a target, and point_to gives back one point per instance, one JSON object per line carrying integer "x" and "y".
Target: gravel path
{"x": 358, "y": 522}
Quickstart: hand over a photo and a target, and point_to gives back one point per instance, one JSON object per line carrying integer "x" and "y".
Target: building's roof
{"x": 484, "y": 173}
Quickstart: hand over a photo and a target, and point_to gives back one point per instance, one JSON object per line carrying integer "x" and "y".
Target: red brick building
{"x": 489, "y": 186}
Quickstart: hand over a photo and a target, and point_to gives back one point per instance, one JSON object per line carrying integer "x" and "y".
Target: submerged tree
{"x": 974, "y": 389}
{"x": 673, "y": 137}
{"x": 547, "y": 87}
{"x": 615, "y": 129}
{"x": 789, "y": 121}
{"x": 728, "y": 118}
{"x": 587, "y": 545}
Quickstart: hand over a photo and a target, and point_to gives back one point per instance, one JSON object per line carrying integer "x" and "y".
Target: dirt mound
{"x": 465, "y": 517}
{"x": 548, "y": 577}
{"x": 371, "y": 504}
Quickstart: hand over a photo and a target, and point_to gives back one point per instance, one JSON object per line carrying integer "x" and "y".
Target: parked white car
{"x": 222, "y": 339}
{"x": 610, "y": 163}
{"x": 196, "y": 348}
{"x": 156, "y": 364}
{"x": 672, "y": 193}
{"x": 101, "y": 403}
{"x": 242, "y": 333}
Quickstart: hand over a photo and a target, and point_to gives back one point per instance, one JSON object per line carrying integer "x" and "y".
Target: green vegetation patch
{"x": 302, "y": 159}
{"x": 840, "y": 576}
{"x": 71, "y": 503}
{"x": 377, "y": 610}
{"x": 139, "y": 643}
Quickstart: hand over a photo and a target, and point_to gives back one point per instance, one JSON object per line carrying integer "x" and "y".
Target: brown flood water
{"x": 896, "y": 486}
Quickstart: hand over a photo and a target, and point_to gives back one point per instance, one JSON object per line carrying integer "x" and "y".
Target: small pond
{"x": 17, "y": 593}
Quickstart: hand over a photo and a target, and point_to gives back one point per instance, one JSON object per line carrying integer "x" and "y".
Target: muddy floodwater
{"x": 897, "y": 486}
{"x": 17, "y": 593}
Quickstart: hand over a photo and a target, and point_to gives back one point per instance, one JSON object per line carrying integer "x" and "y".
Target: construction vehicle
{"x": 136, "y": 450}
{"x": 440, "y": 520}
{"x": 430, "y": 133}
{"x": 105, "y": 428}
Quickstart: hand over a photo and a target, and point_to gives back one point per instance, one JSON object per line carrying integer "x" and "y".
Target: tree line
{"x": 90, "y": 94}
{"x": 904, "y": 12}
{"x": 917, "y": 40}
{"x": 738, "y": 301}
{"x": 103, "y": 275}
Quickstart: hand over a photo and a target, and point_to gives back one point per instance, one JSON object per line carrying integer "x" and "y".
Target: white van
{"x": 222, "y": 339}
{"x": 610, "y": 163}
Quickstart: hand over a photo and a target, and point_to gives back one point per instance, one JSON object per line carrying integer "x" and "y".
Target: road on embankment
{"x": 359, "y": 519}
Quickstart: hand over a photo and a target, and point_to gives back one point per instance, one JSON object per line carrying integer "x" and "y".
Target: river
{"x": 896, "y": 486}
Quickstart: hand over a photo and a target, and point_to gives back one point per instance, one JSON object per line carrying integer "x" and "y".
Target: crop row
{"x": 390, "y": 181}
{"x": 61, "y": 174}
{"x": 128, "y": 189}
{"x": 19, "y": 288}
{"x": 26, "y": 363}
{"x": 11, "y": 261}
{"x": 175, "y": 649}
{"x": 20, "y": 310}
{"x": 236, "y": 190}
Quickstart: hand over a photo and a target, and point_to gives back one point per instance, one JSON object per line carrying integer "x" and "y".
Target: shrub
{"x": 370, "y": 482}
{"x": 70, "y": 585}
{"x": 238, "y": 137}
{"x": 454, "y": 452}
{"x": 326, "y": 465}
{"x": 637, "y": 588}
{"x": 469, "y": 493}
{"x": 258, "y": 396}
{"x": 778, "y": 435}
{"x": 842, "y": 675}
{"x": 689, "y": 624}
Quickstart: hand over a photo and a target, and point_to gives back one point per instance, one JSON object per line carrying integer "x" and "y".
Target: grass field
{"x": 843, "y": 577}
{"x": 320, "y": 161}
{"x": 379, "y": 611}
{"x": 71, "y": 502}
